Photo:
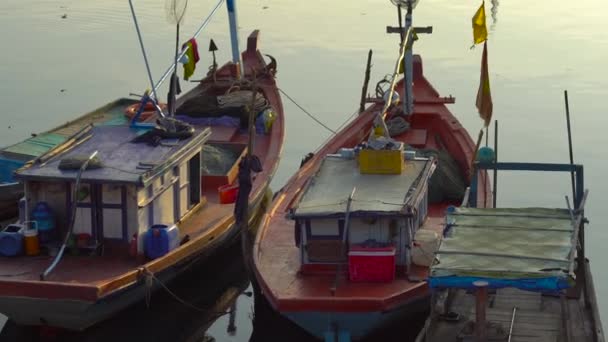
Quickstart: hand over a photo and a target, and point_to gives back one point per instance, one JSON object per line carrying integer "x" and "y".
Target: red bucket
{"x": 228, "y": 193}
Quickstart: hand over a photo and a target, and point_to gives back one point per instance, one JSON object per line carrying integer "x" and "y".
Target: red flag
{"x": 484, "y": 98}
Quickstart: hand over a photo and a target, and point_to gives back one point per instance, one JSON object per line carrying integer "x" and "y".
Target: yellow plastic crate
{"x": 381, "y": 161}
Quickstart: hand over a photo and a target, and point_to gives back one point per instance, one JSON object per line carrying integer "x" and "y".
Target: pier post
{"x": 481, "y": 300}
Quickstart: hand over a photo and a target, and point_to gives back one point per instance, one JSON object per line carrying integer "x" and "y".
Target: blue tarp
{"x": 7, "y": 167}
{"x": 528, "y": 284}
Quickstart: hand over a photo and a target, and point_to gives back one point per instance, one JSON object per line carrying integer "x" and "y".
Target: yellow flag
{"x": 480, "y": 31}
{"x": 484, "y": 98}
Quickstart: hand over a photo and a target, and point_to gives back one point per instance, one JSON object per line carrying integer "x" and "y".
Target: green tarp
{"x": 506, "y": 243}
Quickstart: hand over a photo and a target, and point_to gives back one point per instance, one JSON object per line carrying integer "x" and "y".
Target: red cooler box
{"x": 367, "y": 264}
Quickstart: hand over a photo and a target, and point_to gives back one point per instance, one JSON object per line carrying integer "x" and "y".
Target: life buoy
{"x": 147, "y": 114}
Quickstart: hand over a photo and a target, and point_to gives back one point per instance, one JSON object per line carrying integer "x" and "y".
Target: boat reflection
{"x": 205, "y": 299}
{"x": 268, "y": 325}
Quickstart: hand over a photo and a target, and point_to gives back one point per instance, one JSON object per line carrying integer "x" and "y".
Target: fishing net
{"x": 175, "y": 11}
{"x": 234, "y": 104}
{"x": 447, "y": 182}
{"x": 217, "y": 160}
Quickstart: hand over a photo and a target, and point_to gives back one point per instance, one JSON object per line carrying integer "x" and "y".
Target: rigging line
{"x": 306, "y": 112}
{"x": 338, "y": 129}
{"x": 148, "y": 273}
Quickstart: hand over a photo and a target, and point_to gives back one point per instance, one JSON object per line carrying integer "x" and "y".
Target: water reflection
{"x": 214, "y": 288}
{"x": 270, "y": 326}
{"x": 540, "y": 50}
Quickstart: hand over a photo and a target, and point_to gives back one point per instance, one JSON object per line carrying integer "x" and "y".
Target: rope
{"x": 149, "y": 280}
{"x": 306, "y": 112}
{"x": 356, "y": 112}
{"x": 241, "y": 98}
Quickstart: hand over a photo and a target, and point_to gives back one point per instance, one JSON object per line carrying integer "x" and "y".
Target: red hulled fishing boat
{"x": 346, "y": 245}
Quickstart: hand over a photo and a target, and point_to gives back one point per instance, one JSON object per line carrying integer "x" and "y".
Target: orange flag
{"x": 484, "y": 98}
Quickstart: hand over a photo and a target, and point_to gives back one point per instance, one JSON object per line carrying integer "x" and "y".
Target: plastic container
{"x": 367, "y": 264}
{"x": 347, "y": 153}
{"x": 269, "y": 117}
{"x": 485, "y": 155}
{"x": 380, "y": 161}
{"x": 22, "y": 209}
{"x": 160, "y": 239}
{"x": 11, "y": 240}
{"x": 45, "y": 219}
{"x": 228, "y": 193}
{"x": 409, "y": 155}
{"x": 32, "y": 243}
{"x": 426, "y": 244}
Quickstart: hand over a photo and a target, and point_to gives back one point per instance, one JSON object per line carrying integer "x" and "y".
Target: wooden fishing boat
{"x": 344, "y": 247}
{"x": 515, "y": 274}
{"x": 184, "y": 184}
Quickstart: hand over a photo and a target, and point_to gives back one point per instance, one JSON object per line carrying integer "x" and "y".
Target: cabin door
{"x": 101, "y": 212}
{"x": 112, "y": 212}
{"x": 194, "y": 175}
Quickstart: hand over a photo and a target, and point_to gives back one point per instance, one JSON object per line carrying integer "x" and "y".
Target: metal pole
{"x": 512, "y": 323}
{"x": 481, "y": 299}
{"x": 143, "y": 50}
{"x": 495, "y": 161}
{"x": 73, "y": 209}
{"x": 169, "y": 70}
{"x": 408, "y": 103}
{"x": 231, "y": 330}
{"x": 344, "y": 240}
{"x": 234, "y": 36}
{"x": 400, "y": 19}
{"x": 570, "y": 143}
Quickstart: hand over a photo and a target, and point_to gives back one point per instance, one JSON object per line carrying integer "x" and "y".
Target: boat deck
{"x": 526, "y": 316}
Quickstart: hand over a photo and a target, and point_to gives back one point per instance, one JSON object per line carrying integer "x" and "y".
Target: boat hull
{"x": 80, "y": 315}
{"x": 357, "y": 325}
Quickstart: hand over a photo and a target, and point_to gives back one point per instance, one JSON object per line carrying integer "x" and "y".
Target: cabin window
{"x": 328, "y": 230}
{"x": 323, "y": 241}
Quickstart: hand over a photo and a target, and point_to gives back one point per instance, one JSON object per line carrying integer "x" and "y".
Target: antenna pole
{"x": 143, "y": 50}
{"x": 408, "y": 103}
{"x": 570, "y": 144}
{"x": 234, "y": 37}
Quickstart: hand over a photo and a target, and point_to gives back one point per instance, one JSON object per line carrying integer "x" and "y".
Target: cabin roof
{"x": 328, "y": 191}
{"x": 527, "y": 248}
{"x": 123, "y": 161}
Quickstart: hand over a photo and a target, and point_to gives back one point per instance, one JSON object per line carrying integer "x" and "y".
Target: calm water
{"x": 53, "y": 69}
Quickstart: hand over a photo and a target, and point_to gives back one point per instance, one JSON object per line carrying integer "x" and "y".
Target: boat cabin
{"x": 368, "y": 220}
{"x": 130, "y": 186}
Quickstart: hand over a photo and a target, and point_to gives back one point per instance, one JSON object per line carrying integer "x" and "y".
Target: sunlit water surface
{"x": 53, "y": 69}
